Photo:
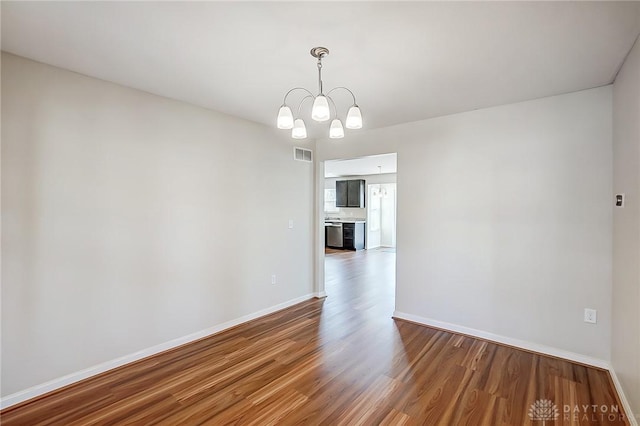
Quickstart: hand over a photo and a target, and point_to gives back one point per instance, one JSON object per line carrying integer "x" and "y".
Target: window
{"x": 330, "y": 201}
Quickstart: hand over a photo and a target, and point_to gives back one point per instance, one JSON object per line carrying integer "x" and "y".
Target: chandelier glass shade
{"x": 323, "y": 108}
{"x": 285, "y": 118}
{"x": 299, "y": 130}
{"x": 354, "y": 118}
{"x": 336, "y": 130}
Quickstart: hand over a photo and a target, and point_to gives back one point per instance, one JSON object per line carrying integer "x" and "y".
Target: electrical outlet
{"x": 290, "y": 223}
{"x": 273, "y": 279}
{"x": 590, "y": 315}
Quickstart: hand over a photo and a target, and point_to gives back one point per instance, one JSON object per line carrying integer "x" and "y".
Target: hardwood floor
{"x": 338, "y": 361}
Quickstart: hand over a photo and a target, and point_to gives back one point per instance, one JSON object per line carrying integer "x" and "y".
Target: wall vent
{"x": 301, "y": 154}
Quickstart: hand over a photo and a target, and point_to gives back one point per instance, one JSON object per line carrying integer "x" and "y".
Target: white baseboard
{"x": 632, "y": 417}
{"x": 320, "y": 294}
{"x": 530, "y": 346}
{"x": 523, "y": 344}
{"x": 60, "y": 382}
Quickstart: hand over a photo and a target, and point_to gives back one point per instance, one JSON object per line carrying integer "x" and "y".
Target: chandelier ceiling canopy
{"x": 323, "y": 108}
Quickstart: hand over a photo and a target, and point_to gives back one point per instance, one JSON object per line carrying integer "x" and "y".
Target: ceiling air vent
{"x": 301, "y": 154}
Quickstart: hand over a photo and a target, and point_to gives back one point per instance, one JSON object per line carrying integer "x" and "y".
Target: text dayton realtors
{"x": 592, "y": 412}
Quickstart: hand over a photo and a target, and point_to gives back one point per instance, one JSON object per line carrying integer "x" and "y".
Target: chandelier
{"x": 323, "y": 109}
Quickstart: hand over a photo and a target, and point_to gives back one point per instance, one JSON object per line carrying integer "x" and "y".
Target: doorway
{"x": 376, "y": 216}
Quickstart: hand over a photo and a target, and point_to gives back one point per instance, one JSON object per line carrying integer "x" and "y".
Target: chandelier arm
{"x": 284, "y": 101}
{"x": 302, "y": 101}
{"x": 335, "y": 109}
{"x": 342, "y": 87}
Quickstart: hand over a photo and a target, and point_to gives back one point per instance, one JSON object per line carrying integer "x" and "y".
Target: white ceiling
{"x": 384, "y": 163}
{"x": 405, "y": 61}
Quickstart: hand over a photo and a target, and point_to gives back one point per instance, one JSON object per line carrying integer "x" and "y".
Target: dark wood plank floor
{"x": 342, "y": 360}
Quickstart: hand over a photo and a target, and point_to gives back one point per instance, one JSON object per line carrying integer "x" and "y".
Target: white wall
{"x": 504, "y": 217}
{"x": 626, "y": 228}
{"x": 130, "y": 219}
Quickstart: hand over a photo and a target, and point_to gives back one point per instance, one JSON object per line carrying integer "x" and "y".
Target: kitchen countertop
{"x": 344, "y": 221}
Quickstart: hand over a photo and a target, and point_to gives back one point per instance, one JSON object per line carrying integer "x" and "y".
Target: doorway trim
{"x": 319, "y": 290}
